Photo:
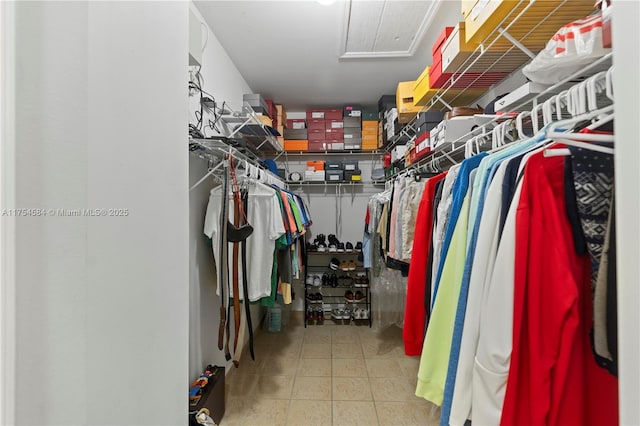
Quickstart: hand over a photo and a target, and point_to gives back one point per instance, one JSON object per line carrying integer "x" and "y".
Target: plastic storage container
{"x": 274, "y": 319}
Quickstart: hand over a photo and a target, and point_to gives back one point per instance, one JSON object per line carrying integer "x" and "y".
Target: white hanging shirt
{"x": 265, "y": 216}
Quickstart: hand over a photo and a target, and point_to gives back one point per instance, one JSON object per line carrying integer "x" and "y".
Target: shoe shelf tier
{"x": 340, "y": 293}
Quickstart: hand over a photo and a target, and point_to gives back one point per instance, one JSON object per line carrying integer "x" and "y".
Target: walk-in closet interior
{"x": 330, "y": 212}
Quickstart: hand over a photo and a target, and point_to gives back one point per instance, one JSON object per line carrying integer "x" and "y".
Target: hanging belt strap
{"x": 245, "y": 287}
{"x": 222, "y": 256}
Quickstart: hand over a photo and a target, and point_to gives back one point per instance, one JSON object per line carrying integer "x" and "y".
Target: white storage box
{"x": 398, "y": 152}
{"x": 314, "y": 175}
{"x": 452, "y": 130}
{"x": 521, "y": 94}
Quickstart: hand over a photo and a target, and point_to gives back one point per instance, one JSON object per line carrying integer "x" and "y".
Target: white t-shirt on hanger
{"x": 265, "y": 216}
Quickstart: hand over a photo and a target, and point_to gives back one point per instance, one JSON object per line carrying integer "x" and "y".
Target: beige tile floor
{"x": 327, "y": 375}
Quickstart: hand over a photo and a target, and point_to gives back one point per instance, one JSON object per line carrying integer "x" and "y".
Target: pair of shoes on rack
{"x": 348, "y": 265}
{"x": 314, "y": 280}
{"x": 314, "y": 297}
{"x": 358, "y": 246}
{"x": 340, "y": 314}
{"x": 315, "y": 314}
{"x": 320, "y": 242}
{"x": 348, "y": 247}
{"x": 345, "y": 281}
{"x": 350, "y": 296}
{"x": 334, "y": 264}
{"x": 360, "y": 313}
{"x": 361, "y": 281}
{"x": 329, "y": 280}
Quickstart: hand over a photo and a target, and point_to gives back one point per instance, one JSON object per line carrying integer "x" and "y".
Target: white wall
{"x": 101, "y": 302}
{"x": 626, "y": 42}
{"x": 223, "y": 80}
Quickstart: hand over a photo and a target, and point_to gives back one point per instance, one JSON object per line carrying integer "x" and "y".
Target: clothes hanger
{"x": 553, "y": 131}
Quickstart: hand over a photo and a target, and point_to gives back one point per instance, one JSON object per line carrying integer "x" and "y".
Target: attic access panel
{"x": 378, "y": 29}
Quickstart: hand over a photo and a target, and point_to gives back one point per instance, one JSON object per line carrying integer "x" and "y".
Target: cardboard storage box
{"x": 351, "y": 133}
{"x": 334, "y": 133}
{"x": 314, "y": 175}
{"x": 369, "y": 132}
{"x": 370, "y": 125}
{"x": 452, "y": 130}
{"x": 370, "y": 145}
{"x": 334, "y": 175}
{"x": 336, "y": 146}
{"x": 350, "y": 165}
{"x": 457, "y": 53}
{"x": 296, "y": 145}
{"x": 315, "y": 114}
{"x": 352, "y": 175}
{"x": 257, "y": 102}
{"x": 316, "y": 123}
{"x": 352, "y": 122}
{"x": 398, "y": 152}
{"x": 271, "y": 106}
{"x": 386, "y": 102}
{"x": 326, "y": 114}
{"x": 435, "y": 49}
{"x": 353, "y": 144}
{"x": 265, "y": 119}
{"x": 333, "y": 165}
{"x": 369, "y": 140}
{"x": 296, "y": 123}
{"x": 352, "y": 110}
{"x": 316, "y": 134}
{"x": 429, "y": 117}
{"x": 334, "y": 139}
{"x": 280, "y": 111}
{"x": 334, "y": 124}
{"x": 315, "y": 165}
{"x": 519, "y": 95}
{"x": 422, "y": 90}
{"x": 368, "y": 115}
{"x": 298, "y": 134}
{"x": 407, "y": 108}
{"x": 318, "y": 145}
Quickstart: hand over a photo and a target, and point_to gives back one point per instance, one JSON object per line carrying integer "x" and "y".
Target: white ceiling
{"x": 290, "y": 50}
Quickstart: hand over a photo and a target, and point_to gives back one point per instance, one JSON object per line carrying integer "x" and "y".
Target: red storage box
{"x": 332, "y": 133}
{"x": 271, "y": 106}
{"x": 316, "y": 124}
{"x": 296, "y": 123}
{"x": 324, "y": 114}
{"x": 335, "y": 139}
{"x": 318, "y": 146}
{"x": 316, "y": 134}
{"x": 334, "y": 124}
{"x": 315, "y": 114}
{"x": 437, "y": 46}
{"x": 333, "y": 114}
{"x": 438, "y": 79}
